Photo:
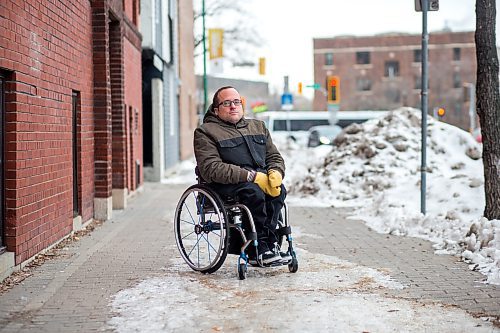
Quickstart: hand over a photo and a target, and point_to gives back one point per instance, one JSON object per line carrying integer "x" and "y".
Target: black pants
{"x": 264, "y": 208}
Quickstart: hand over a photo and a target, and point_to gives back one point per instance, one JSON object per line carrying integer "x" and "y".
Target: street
{"x": 127, "y": 276}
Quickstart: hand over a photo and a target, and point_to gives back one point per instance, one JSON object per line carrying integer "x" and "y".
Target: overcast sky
{"x": 289, "y": 26}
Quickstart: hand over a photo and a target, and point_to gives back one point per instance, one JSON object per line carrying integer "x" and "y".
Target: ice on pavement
{"x": 326, "y": 294}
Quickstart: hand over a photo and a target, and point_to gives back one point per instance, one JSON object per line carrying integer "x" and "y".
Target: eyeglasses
{"x": 227, "y": 102}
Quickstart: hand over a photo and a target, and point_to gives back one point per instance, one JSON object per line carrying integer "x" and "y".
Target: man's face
{"x": 232, "y": 113}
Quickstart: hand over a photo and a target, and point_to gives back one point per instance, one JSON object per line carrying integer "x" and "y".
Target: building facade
{"x": 384, "y": 72}
{"x": 168, "y": 84}
{"x": 70, "y": 117}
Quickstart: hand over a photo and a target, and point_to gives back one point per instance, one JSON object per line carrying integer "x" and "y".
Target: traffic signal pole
{"x": 204, "y": 58}
{"x": 424, "y": 101}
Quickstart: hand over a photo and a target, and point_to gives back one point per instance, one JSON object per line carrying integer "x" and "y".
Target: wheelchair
{"x": 208, "y": 228}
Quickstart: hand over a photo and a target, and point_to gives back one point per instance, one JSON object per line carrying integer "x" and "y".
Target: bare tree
{"x": 488, "y": 103}
{"x": 240, "y": 36}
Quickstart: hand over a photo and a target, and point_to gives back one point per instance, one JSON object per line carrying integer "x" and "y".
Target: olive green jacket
{"x": 224, "y": 151}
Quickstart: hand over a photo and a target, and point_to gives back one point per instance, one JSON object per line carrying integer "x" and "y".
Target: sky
{"x": 289, "y": 26}
{"x": 375, "y": 172}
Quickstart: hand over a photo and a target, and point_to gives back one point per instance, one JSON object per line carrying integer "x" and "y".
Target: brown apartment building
{"x": 383, "y": 72}
{"x": 70, "y": 117}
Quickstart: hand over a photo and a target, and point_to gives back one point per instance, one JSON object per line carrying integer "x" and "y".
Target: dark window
{"x": 393, "y": 95}
{"x": 417, "y": 83}
{"x": 417, "y": 55}
{"x": 391, "y": 68}
{"x": 457, "y": 80}
{"x": 363, "y": 84}
{"x": 328, "y": 59}
{"x": 76, "y": 114}
{"x": 298, "y": 124}
{"x": 456, "y": 53}
{"x": 362, "y": 58}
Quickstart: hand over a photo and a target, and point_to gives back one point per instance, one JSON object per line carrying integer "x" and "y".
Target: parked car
{"x": 323, "y": 135}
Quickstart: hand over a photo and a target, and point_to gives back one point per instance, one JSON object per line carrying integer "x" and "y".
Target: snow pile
{"x": 375, "y": 167}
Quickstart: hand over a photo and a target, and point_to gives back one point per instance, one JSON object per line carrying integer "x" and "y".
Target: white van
{"x": 293, "y": 124}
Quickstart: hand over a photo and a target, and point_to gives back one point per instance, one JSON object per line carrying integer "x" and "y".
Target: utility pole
{"x": 205, "y": 87}
{"x": 424, "y": 100}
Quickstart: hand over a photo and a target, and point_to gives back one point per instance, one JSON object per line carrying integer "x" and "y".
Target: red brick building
{"x": 383, "y": 72}
{"x": 70, "y": 114}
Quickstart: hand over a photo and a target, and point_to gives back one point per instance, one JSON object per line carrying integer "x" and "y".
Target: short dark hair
{"x": 215, "y": 100}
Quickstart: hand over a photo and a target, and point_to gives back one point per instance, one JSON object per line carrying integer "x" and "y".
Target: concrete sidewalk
{"x": 72, "y": 292}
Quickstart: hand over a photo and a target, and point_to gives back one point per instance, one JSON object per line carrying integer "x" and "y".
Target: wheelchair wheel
{"x": 242, "y": 271}
{"x": 293, "y": 266}
{"x": 201, "y": 229}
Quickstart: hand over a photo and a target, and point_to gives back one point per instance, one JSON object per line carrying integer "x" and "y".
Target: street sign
{"x": 286, "y": 99}
{"x": 432, "y": 5}
{"x": 315, "y": 86}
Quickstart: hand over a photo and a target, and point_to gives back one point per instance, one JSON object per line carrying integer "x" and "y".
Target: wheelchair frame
{"x": 203, "y": 225}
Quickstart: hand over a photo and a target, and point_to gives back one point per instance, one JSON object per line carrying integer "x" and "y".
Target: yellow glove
{"x": 275, "y": 178}
{"x": 262, "y": 180}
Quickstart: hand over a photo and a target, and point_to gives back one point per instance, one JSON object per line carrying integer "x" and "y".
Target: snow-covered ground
{"x": 327, "y": 294}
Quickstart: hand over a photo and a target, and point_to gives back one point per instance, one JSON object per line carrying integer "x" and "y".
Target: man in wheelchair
{"x": 237, "y": 158}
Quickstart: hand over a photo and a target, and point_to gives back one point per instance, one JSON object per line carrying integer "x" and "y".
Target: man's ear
{"x": 215, "y": 111}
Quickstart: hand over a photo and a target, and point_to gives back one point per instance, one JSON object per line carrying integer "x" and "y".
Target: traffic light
{"x": 333, "y": 84}
{"x": 441, "y": 112}
{"x": 262, "y": 66}
{"x": 299, "y": 90}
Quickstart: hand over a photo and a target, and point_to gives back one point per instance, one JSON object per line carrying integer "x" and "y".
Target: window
{"x": 391, "y": 68}
{"x": 417, "y": 83}
{"x": 457, "y": 80}
{"x": 363, "y": 84}
{"x": 417, "y": 55}
{"x": 298, "y": 124}
{"x": 328, "y": 59}
{"x": 456, "y": 53}
{"x": 362, "y": 58}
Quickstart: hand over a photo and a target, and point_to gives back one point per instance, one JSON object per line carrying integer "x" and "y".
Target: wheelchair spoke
{"x": 196, "y": 245}
{"x": 189, "y": 212}
{"x": 188, "y": 222}
{"x": 192, "y": 232}
{"x": 209, "y": 244}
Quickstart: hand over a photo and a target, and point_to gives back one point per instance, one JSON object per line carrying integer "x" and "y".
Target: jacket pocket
{"x": 259, "y": 149}
{"x": 234, "y": 151}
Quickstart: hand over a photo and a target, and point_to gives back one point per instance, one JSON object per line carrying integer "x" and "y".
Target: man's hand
{"x": 262, "y": 180}
{"x": 275, "y": 178}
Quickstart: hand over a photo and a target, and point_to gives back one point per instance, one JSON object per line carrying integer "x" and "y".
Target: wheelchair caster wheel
{"x": 293, "y": 267}
{"x": 242, "y": 271}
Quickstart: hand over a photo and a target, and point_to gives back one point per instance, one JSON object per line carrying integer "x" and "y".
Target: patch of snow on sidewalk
{"x": 337, "y": 296}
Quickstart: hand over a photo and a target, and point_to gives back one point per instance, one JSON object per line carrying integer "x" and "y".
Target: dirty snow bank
{"x": 375, "y": 167}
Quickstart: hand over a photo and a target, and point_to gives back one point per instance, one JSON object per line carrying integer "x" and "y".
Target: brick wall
{"x": 46, "y": 49}
{"x": 389, "y": 93}
{"x": 133, "y": 102}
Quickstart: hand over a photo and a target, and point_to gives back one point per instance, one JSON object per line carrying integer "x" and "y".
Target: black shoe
{"x": 269, "y": 257}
